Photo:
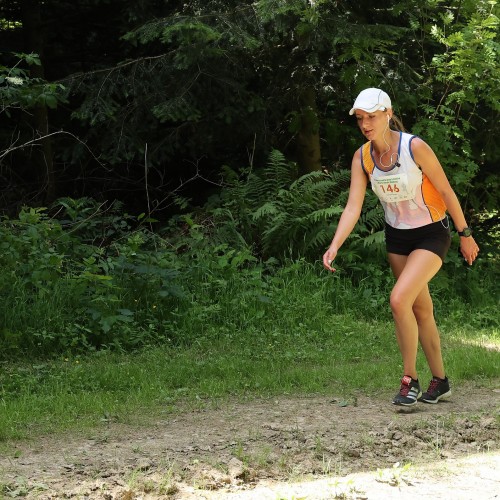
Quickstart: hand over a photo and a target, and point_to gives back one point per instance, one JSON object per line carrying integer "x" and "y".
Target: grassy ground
{"x": 241, "y": 331}
{"x": 348, "y": 355}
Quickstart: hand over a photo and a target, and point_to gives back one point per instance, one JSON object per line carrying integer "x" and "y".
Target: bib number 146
{"x": 389, "y": 188}
{"x": 392, "y": 188}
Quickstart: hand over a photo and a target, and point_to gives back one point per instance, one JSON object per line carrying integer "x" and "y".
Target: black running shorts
{"x": 435, "y": 237}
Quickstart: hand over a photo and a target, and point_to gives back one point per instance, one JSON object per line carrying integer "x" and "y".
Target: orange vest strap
{"x": 366, "y": 159}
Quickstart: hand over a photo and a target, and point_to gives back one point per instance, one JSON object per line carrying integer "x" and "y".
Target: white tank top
{"x": 407, "y": 196}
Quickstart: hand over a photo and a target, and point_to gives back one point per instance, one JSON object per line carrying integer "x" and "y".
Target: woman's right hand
{"x": 328, "y": 258}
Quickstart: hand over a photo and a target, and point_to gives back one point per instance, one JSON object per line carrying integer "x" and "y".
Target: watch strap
{"x": 466, "y": 232}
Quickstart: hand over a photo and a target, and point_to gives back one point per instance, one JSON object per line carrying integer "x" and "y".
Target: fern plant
{"x": 286, "y": 216}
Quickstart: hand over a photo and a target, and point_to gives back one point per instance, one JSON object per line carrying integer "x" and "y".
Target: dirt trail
{"x": 280, "y": 448}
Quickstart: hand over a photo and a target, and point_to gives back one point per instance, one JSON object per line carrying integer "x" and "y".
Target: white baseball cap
{"x": 371, "y": 100}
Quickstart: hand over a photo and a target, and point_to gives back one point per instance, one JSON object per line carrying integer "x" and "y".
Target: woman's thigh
{"x": 413, "y": 273}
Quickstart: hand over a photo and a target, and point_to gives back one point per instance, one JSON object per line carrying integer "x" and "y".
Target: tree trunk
{"x": 308, "y": 143}
{"x": 34, "y": 42}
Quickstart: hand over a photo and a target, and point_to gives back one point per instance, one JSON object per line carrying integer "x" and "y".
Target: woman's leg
{"x": 412, "y": 309}
{"x": 428, "y": 333}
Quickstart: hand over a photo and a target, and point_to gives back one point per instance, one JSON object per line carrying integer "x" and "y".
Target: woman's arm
{"x": 428, "y": 162}
{"x": 351, "y": 212}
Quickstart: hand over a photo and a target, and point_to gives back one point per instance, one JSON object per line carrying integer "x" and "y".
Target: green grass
{"x": 89, "y": 392}
{"x": 238, "y": 332}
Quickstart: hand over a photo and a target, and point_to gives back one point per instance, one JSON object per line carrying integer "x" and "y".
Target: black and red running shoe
{"x": 409, "y": 392}
{"x": 439, "y": 388}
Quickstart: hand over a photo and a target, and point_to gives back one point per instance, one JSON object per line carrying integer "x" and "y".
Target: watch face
{"x": 466, "y": 232}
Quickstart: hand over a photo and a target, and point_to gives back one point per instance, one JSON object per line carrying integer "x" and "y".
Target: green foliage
{"x": 470, "y": 61}
{"x": 451, "y": 146}
{"x": 193, "y": 73}
{"x": 93, "y": 223}
{"x": 82, "y": 282}
{"x": 209, "y": 71}
{"x": 212, "y": 83}
{"x": 18, "y": 89}
{"x": 251, "y": 329}
{"x": 465, "y": 78}
{"x": 288, "y": 217}
{"x": 68, "y": 288}
{"x": 29, "y": 251}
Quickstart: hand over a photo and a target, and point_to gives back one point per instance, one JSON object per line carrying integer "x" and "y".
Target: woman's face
{"x": 372, "y": 125}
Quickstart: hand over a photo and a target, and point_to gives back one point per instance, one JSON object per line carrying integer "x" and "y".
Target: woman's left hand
{"x": 469, "y": 249}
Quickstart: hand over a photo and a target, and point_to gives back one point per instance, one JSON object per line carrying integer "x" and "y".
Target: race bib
{"x": 393, "y": 188}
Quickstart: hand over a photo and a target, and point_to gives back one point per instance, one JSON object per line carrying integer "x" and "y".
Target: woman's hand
{"x": 469, "y": 249}
{"x": 328, "y": 258}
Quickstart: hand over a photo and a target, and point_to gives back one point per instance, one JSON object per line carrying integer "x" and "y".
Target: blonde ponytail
{"x": 396, "y": 124}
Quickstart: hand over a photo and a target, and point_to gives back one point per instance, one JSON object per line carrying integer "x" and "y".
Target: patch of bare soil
{"x": 280, "y": 448}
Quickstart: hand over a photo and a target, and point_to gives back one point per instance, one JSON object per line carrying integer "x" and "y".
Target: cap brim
{"x": 377, "y": 107}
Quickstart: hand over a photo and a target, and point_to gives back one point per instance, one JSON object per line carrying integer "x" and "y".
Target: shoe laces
{"x": 405, "y": 389}
{"x": 434, "y": 384}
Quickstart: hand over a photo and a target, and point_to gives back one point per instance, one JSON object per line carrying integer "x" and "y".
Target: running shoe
{"x": 438, "y": 389}
{"x": 409, "y": 392}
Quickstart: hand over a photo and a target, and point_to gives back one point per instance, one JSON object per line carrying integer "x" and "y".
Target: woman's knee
{"x": 423, "y": 307}
{"x": 399, "y": 303}
{"x": 423, "y": 312}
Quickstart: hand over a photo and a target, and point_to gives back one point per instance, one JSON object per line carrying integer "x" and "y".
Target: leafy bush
{"x": 283, "y": 216}
{"x": 19, "y": 90}
{"x": 94, "y": 278}
{"x": 62, "y": 293}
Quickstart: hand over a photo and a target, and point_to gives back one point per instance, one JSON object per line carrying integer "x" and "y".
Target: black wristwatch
{"x": 466, "y": 232}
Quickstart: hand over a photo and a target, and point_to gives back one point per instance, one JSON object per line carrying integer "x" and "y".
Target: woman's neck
{"x": 380, "y": 145}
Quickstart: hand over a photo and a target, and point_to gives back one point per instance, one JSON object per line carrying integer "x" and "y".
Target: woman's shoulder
{"x": 420, "y": 151}
{"x": 408, "y": 136}
{"x": 415, "y": 142}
